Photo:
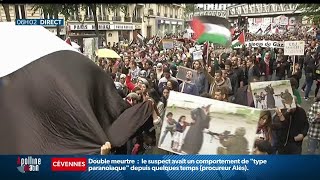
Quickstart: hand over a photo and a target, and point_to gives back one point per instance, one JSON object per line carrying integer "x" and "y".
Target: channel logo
{"x": 69, "y": 164}
{"x": 28, "y": 164}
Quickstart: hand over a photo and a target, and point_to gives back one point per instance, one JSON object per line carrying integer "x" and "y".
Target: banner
{"x": 292, "y": 48}
{"x": 170, "y": 167}
{"x": 90, "y": 45}
{"x": 256, "y": 44}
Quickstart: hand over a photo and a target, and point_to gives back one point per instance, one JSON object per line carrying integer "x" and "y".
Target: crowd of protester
{"x": 147, "y": 71}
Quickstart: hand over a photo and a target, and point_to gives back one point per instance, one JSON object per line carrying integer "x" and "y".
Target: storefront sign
{"x": 123, "y": 27}
{"x": 102, "y": 27}
{"x": 271, "y": 44}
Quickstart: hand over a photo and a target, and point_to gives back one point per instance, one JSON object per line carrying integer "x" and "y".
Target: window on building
{"x": 46, "y": 15}
{"x": 89, "y": 12}
{"x": 116, "y": 12}
{"x": 177, "y": 12}
{"x": 20, "y": 11}
{"x": 158, "y": 8}
{"x": 166, "y": 10}
{"x": 171, "y": 11}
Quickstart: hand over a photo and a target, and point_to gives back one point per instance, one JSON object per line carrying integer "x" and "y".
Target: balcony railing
{"x": 137, "y": 19}
{"x": 127, "y": 19}
{"x": 116, "y": 18}
{"x": 88, "y": 18}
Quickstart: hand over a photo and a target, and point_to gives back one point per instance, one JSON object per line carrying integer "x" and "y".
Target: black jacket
{"x": 281, "y": 70}
{"x": 263, "y": 66}
{"x": 241, "y": 97}
{"x": 295, "y": 123}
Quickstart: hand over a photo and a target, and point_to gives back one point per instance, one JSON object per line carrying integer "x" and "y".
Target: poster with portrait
{"x": 272, "y": 95}
{"x": 182, "y": 74}
{"x": 167, "y": 43}
{"x": 198, "y": 125}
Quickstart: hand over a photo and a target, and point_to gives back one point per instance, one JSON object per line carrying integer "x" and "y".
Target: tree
{"x": 7, "y": 12}
{"x": 190, "y": 8}
{"x": 310, "y": 10}
{"x": 53, "y": 10}
{"x": 110, "y": 7}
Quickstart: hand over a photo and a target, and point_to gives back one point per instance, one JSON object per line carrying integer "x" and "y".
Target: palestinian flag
{"x": 211, "y": 29}
{"x": 268, "y": 30}
{"x": 259, "y": 31}
{"x": 239, "y": 41}
{"x": 63, "y": 102}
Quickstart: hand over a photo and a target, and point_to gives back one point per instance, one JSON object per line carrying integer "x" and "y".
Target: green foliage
{"x": 190, "y": 8}
{"x": 56, "y": 9}
{"x": 310, "y": 10}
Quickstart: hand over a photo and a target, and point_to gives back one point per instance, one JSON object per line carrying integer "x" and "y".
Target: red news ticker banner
{"x": 69, "y": 164}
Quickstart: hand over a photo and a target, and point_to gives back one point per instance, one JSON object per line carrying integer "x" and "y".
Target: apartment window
{"x": 137, "y": 12}
{"x": 171, "y": 11}
{"x": 158, "y": 8}
{"x": 20, "y": 11}
{"x": 89, "y": 12}
{"x": 117, "y": 12}
{"x": 166, "y": 10}
{"x": 177, "y": 12}
{"x": 45, "y": 15}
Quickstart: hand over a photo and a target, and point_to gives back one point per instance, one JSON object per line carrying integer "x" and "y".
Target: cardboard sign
{"x": 197, "y": 55}
{"x": 182, "y": 72}
{"x": 270, "y": 95}
{"x": 168, "y": 44}
{"x": 292, "y": 48}
{"x": 204, "y": 132}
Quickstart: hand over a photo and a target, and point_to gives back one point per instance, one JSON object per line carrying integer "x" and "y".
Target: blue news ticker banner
{"x": 40, "y": 22}
{"x": 173, "y": 167}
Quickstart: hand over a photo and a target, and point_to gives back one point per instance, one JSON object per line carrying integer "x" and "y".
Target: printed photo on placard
{"x": 273, "y": 94}
{"x": 187, "y": 75}
{"x": 197, "y": 125}
{"x": 197, "y": 55}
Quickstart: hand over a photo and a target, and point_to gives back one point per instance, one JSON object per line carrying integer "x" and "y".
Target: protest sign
{"x": 197, "y": 55}
{"x": 204, "y": 133}
{"x": 270, "y": 95}
{"x": 167, "y": 43}
{"x": 294, "y": 48}
{"x": 89, "y": 47}
{"x": 182, "y": 72}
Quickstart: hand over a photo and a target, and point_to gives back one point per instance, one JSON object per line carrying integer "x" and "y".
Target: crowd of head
{"x": 148, "y": 71}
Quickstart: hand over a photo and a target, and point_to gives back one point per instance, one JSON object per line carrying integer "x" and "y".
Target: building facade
{"x": 25, "y": 11}
{"x": 117, "y": 24}
{"x": 163, "y": 18}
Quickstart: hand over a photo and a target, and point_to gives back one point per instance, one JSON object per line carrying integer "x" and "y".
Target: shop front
{"x": 110, "y": 32}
